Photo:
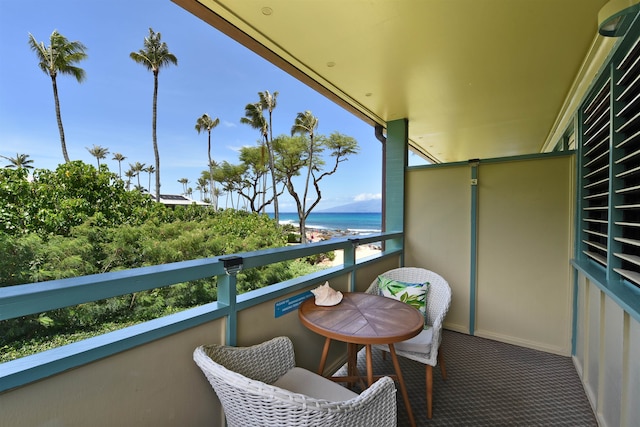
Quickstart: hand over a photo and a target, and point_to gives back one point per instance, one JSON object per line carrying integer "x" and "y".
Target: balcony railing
{"x": 22, "y": 300}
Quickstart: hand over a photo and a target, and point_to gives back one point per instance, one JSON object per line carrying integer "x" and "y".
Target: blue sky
{"x": 112, "y": 107}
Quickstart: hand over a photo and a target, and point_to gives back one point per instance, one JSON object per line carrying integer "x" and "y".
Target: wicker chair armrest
{"x": 376, "y": 406}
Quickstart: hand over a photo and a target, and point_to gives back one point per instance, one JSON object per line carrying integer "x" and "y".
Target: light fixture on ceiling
{"x": 616, "y": 16}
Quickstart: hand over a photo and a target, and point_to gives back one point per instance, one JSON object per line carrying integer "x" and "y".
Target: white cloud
{"x": 367, "y": 196}
{"x": 235, "y": 148}
{"x": 228, "y": 124}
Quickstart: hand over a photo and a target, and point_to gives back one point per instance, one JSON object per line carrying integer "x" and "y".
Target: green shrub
{"x": 319, "y": 258}
{"x": 78, "y": 221}
{"x": 293, "y": 237}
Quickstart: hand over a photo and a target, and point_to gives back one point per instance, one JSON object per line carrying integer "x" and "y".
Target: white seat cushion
{"x": 421, "y": 343}
{"x": 300, "y": 380}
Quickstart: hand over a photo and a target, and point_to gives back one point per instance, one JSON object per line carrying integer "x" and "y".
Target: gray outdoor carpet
{"x": 492, "y": 384}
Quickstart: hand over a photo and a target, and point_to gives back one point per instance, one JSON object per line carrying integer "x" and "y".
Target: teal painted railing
{"x": 22, "y": 300}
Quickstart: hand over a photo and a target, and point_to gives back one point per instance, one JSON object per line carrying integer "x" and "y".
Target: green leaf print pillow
{"x": 414, "y": 294}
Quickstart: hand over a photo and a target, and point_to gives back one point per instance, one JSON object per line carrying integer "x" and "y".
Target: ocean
{"x": 353, "y": 222}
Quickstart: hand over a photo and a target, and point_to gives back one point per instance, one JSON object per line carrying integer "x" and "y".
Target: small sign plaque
{"x": 290, "y": 304}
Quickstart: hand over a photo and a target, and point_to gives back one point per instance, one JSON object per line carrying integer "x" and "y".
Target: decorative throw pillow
{"x": 414, "y": 294}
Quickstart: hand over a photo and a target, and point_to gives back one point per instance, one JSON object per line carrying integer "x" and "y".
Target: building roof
{"x": 179, "y": 199}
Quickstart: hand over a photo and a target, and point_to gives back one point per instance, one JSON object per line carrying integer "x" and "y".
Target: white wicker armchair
{"x": 260, "y": 386}
{"x": 424, "y": 348}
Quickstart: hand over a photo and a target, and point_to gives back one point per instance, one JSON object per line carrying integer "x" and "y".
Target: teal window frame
{"x": 608, "y": 176}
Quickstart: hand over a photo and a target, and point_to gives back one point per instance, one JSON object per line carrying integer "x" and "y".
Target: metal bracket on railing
{"x": 355, "y": 242}
{"x": 232, "y": 264}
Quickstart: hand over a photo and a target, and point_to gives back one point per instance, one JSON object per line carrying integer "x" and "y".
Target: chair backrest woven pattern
{"x": 438, "y": 303}
{"x": 241, "y": 378}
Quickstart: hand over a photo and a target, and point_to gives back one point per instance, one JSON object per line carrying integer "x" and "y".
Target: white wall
{"x": 438, "y": 237}
{"x": 524, "y": 241}
{"x": 607, "y": 349}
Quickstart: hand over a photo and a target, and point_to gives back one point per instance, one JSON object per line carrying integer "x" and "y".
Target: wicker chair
{"x": 260, "y": 386}
{"x": 425, "y": 348}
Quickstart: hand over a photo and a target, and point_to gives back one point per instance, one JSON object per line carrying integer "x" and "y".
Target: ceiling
{"x": 474, "y": 78}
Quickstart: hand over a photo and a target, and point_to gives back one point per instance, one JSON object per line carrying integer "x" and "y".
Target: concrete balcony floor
{"x": 492, "y": 384}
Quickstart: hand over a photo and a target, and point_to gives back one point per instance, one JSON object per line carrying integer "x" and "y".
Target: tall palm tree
{"x": 154, "y": 56}
{"x": 205, "y": 122}
{"x": 98, "y": 152}
{"x": 184, "y": 182}
{"x": 59, "y": 57}
{"x": 215, "y": 195}
{"x": 150, "y": 170}
{"x": 136, "y": 169}
{"x": 213, "y": 165}
{"x": 119, "y": 158}
{"x": 268, "y": 102}
{"x": 306, "y": 124}
{"x": 206, "y": 176}
{"x": 129, "y": 174}
{"x": 20, "y": 161}
{"x": 254, "y": 117}
{"x": 203, "y": 186}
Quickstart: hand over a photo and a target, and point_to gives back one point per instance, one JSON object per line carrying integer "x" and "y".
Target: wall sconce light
{"x": 616, "y": 16}
{"x": 232, "y": 264}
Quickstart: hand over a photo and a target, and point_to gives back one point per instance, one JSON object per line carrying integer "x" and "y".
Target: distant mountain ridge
{"x": 365, "y": 206}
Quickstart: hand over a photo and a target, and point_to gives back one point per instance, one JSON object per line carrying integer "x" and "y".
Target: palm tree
{"x": 136, "y": 169}
{"x": 184, "y": 182}
{"x": 203, "y": 186}
{"x": 20, "y": 161}
{"x": 215, "y": 195}
{"x": 213, "y": 165}
{"x": 154, "y": 56}
{"x": 268, "y": 102}
{"x": 98, "y": 152}
{"x": 305, "y": 124}
{"x": 254, "y": 117}
{"x": 205, "y": 122}
{"x": 150, "y": 170}
{"x": 59, "y": 57}
{"x": 206, "y": 176}
{"x": 119, "y": 158}
{"x": 129, "y": 174}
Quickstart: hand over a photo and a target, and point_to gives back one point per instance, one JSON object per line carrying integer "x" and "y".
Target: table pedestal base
{"x": 353, "y": 375}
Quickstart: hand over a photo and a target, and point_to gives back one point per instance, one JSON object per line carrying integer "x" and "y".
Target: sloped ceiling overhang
{"x": 475, "y": 79}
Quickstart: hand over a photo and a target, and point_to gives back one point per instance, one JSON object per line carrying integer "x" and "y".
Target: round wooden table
{"x": 364, "y": 319}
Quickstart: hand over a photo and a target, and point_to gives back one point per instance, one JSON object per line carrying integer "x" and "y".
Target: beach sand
{"x": 363, "y": 251}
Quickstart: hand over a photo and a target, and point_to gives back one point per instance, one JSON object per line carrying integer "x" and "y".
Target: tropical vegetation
{"x": 79, "y": 220}
{"x": 264, "y": 172}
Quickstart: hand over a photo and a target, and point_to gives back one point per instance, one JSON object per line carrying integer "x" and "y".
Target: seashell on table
{"x": 326, "y": 295}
